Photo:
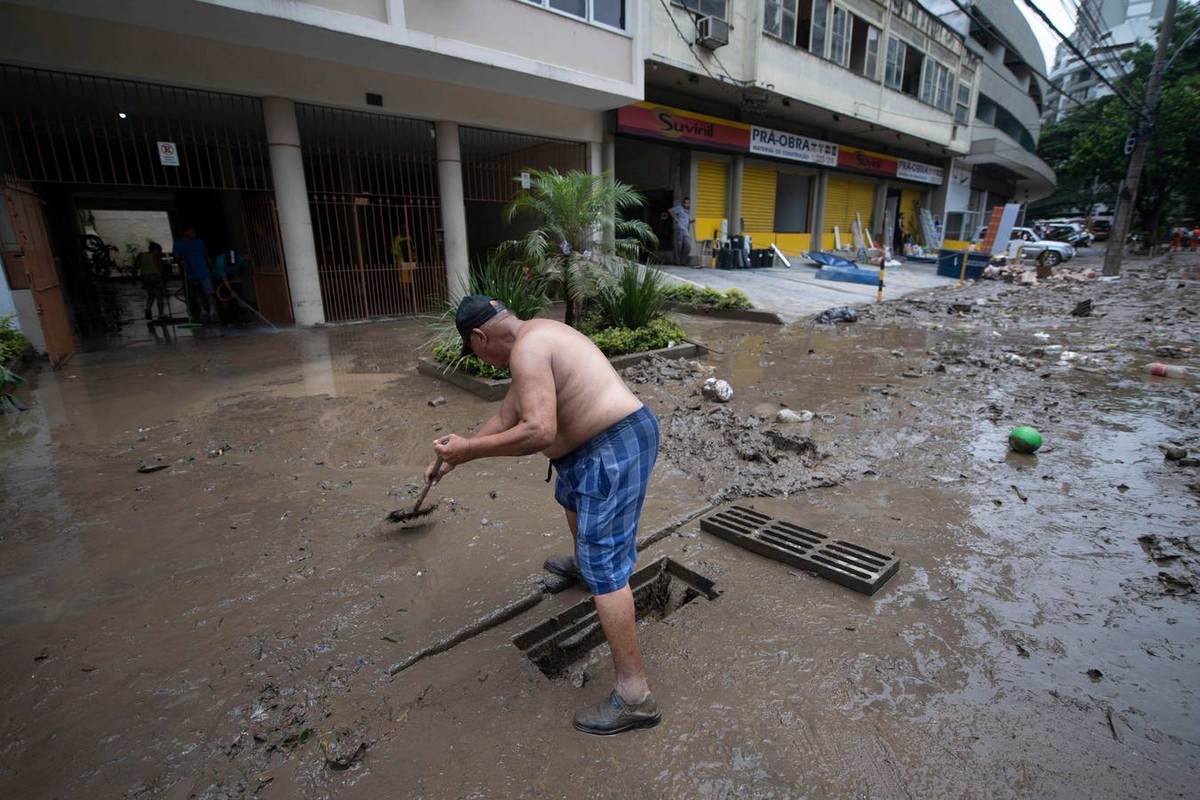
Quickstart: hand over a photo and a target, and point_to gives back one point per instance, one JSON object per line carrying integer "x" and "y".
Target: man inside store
{"x": 681, "y": 231}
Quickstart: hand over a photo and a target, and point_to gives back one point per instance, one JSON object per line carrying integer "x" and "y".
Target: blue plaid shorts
{"x": 604, "y": 482}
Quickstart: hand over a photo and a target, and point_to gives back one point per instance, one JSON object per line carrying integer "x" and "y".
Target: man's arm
{"x": 528, "y": 419}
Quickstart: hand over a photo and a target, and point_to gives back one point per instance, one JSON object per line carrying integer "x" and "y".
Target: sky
{"x": 1056, "y": 11}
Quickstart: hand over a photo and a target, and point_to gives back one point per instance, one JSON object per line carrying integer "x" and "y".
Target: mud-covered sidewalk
{"x": 199, "y": 596}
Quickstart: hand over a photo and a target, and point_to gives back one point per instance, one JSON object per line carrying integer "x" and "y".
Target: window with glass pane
{"x": 926, "y": 92}
{"x": 871, "y": 69}
{"x": 839, "y": 37}
{"x": 576, "y": 8}
{"x": 609, "y": 12}
{"x": 780, "y": 19}
{"x": 707, "y": 8}
{"x": 820, "y": 23}
{"x": 946, "y": 95}
{"x": 894, "y": 69}
{"x": 962, "y": 111}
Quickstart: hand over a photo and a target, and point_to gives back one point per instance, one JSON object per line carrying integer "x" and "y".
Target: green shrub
{"x": 619, "y": 341}
{"x": 450, "y": 354}
{"x": 523, "y": 292}
{"x": 682, "y": 293}
{"x": 632, "y": 299}
{"x": 688, "y": 295}
{"x": 12, "y": 342}
{"x": 735, "y": 298}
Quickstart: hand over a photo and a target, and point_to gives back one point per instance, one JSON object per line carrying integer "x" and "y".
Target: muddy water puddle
{"x": 228, "y": 622}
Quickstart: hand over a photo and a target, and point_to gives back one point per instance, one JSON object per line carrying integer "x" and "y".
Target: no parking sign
{"x": 168, "y": 155}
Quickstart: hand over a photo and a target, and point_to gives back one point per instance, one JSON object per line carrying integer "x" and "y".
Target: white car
{"x": 1046, "y": 251}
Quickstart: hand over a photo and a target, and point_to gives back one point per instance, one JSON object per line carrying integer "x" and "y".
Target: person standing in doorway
{"x": 567, "y": 402}
{"x": 898, "y": 236}
{"x": 192, "y": 253}
{"x": 150, "y": 267}
{"x": 681, "y": 231}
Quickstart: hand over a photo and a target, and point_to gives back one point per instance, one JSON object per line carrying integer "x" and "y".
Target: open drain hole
{"x": 659, "y": 589}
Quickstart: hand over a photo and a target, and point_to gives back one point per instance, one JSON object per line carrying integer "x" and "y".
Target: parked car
{"x": 1072, "y": 233}
{"x": 1047, "y": 251}
{"x": 1100, "y": 230}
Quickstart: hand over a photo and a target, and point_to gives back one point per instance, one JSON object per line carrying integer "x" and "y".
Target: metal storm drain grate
{"x": 659, "y": 589}
{"x": 848, "y": 564}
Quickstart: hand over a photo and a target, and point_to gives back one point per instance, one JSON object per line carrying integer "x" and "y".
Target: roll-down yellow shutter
{"x": 712, "y": 188}
{"x": 843, "y": 199}
{"x": 758, "y": 199}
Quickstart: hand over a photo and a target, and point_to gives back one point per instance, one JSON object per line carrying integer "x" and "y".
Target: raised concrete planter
{"x": 742, "y": 314}
{"x": 491, "y": 389}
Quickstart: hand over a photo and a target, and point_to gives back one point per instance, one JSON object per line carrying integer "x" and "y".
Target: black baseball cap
{"x": 473, "y": 312}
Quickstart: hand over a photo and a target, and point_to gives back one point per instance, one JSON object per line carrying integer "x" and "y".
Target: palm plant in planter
{"x": 569, "y": 244}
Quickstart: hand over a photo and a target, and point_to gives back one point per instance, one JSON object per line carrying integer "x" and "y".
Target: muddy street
{"x": 200, "y": 597}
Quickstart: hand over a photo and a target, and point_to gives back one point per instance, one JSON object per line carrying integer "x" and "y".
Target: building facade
{"x": 360, "y": 151}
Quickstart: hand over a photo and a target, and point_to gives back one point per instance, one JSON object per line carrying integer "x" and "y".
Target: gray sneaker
{"x": 614, "y": 715}
{"x": 564, "y": 566}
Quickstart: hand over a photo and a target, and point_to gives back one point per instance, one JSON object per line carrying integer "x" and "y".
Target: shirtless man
{"x": 567, "y": 402}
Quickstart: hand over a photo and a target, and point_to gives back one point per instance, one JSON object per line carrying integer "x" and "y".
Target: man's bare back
{"x": 564, "y": 392}
{"x": 590, "y": 396}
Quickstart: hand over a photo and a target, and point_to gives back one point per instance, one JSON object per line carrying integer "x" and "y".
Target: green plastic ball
{"x": 1024, "y": 439}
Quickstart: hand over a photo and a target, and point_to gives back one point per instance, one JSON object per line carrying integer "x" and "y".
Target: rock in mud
{"x": 717, "y": 390}
{"x": 787, "y": 415}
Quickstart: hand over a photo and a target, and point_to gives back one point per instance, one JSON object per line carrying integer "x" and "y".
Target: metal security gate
{"x": 81, "y": 129}
{"x": 492, "y": 164}
{"x": 373, "y": 194}
{"x": 265, "y": 249}
{"x": 844, "y": 199}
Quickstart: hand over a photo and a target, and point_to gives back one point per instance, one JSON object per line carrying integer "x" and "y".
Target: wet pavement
{"x": 223, "y": 626}
{"x": 794, "y": 292}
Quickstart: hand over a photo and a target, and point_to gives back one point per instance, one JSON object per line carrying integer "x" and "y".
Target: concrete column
{"x": 454, "y": 209}
{"x": 876, "y": 223}
{"x": 608, "y": 163}
{"x": 737, "y": 179}
{"x": 817, "y": 238}
{"x": 595, "y": 155}
{"x": 291, "y": 204}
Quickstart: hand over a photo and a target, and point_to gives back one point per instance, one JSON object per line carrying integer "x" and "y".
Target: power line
{"x": 1041, "y": 14}
{"x": 986, "y": 24}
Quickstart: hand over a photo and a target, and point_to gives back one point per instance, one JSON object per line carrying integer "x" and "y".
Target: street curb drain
{"x": 659, "y": 589}
{"x": 842, "y": 562}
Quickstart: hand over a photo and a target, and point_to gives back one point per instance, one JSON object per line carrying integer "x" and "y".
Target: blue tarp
{"x": 829, "y": 260}
{"x": 849, "y": 274}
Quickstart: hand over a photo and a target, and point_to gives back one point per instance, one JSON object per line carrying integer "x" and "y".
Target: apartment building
{"x": 1105, "y": 31}
{"x": 360, "y": 151}
{"x": 790, "y": 120}
{"x": 1002, "y": 165}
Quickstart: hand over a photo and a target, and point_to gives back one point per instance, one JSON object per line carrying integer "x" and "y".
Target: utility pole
{"x": 1137, "y": 159}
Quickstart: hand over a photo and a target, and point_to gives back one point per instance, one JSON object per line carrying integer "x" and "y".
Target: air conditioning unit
{"x": 712, "y": 32}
